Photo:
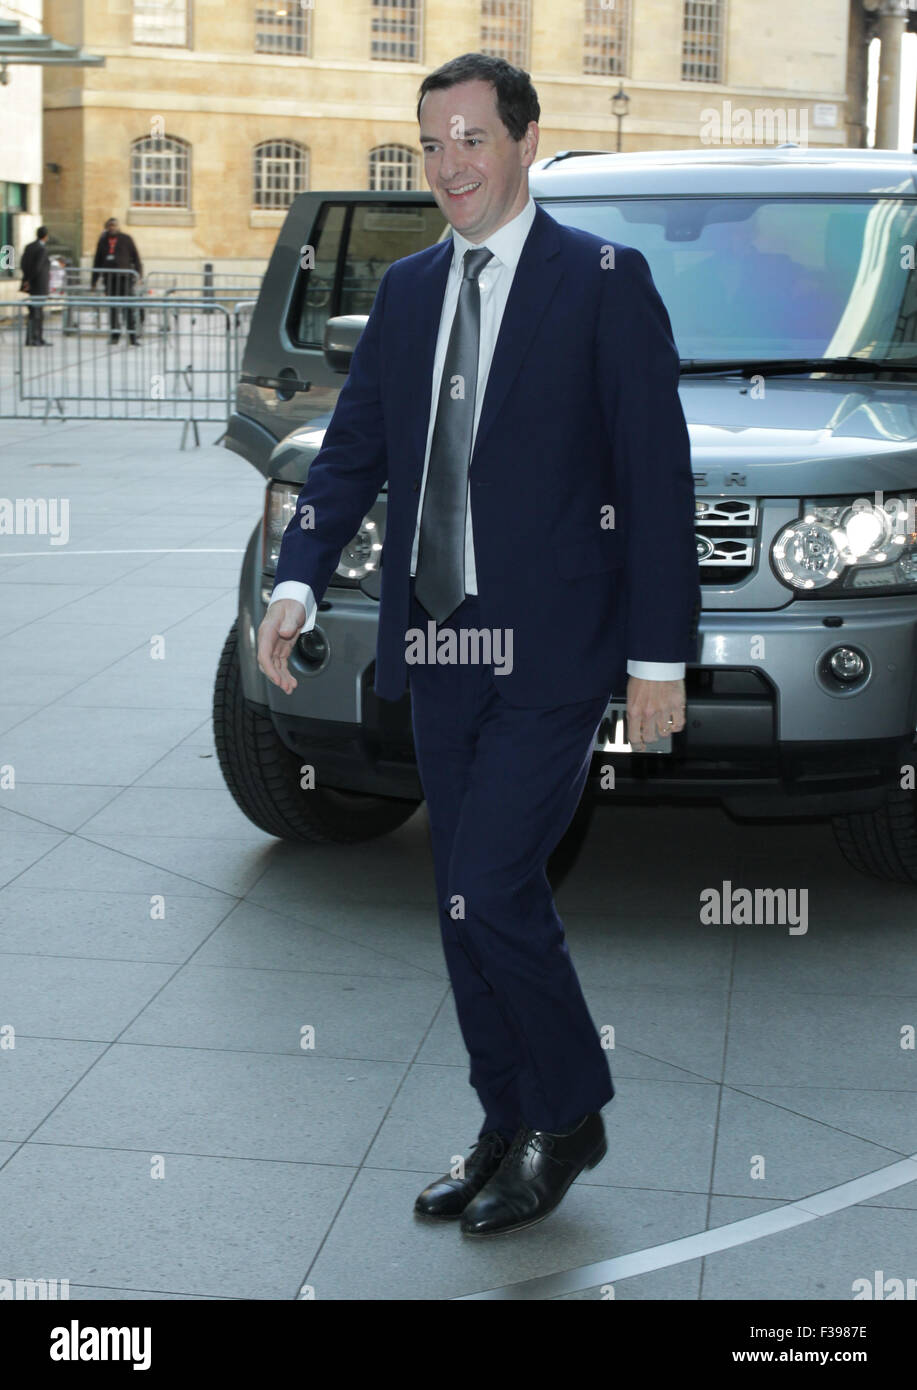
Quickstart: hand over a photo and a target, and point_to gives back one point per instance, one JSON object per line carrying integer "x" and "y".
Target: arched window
{"x": 392, "y": 169}
{"x": 505, "y": 26}
{"x": 160, "y": 172}
{"x": 280, "y": 171}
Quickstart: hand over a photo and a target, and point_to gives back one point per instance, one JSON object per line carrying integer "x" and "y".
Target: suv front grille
{"x": 727, "y": 538}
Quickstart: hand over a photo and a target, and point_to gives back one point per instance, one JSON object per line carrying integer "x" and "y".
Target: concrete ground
{"x": 162, "y": 1133}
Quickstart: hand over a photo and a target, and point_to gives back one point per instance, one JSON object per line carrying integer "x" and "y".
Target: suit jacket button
{"x": 416, "y": 486}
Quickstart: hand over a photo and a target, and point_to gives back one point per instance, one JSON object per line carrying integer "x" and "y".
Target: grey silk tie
{"x": 440, "y": 579}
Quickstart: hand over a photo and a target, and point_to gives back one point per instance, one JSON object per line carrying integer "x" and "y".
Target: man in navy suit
{"x": 517, "y": 388}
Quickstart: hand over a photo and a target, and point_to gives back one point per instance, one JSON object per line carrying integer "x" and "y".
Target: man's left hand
{"x": 654, "y": 710}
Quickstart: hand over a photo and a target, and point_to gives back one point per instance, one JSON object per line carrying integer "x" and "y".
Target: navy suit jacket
{"x": 581, "y": 415}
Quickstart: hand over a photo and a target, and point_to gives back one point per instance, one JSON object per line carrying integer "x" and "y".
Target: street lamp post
{"x": 619, "y": 104}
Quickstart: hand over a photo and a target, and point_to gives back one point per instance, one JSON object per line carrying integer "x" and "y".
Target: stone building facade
{"x": 210, "y": 114}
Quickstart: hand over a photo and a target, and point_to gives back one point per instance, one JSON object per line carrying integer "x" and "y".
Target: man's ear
{"x": 530, "y": 138}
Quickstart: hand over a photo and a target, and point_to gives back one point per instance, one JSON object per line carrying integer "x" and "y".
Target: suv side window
{"x": 311, "y": 304}
{"x": 379, "y": 234}
{"x": 354, "y": 244}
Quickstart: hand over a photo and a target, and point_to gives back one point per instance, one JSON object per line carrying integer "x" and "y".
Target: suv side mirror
{"x": 341, "y": 337}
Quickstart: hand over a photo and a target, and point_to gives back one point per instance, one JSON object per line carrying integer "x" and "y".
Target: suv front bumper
{"x": 762, "y": 737}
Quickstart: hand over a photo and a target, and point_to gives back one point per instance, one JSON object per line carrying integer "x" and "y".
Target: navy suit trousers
{"x": 502, "y": 784}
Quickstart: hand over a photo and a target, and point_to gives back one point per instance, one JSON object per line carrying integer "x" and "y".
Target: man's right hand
{"x": 278, "y": 631}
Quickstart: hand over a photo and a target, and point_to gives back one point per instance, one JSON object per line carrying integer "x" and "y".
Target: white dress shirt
{"x": 495, "y": 282}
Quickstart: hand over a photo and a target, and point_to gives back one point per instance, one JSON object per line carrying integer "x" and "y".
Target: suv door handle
{"x": 289, "y": 384}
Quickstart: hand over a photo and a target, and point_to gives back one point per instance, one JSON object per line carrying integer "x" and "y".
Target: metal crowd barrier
{"x": 242, "y": 312}
{"x": 85, "y": 309}
{"x": 221, "y": 287}
{"x": 184, "y": 364}
{"x": 159, "y": 281}
{"x": 79, "y": 278}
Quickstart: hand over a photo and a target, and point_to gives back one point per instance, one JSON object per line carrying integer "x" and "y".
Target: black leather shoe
{"x": 447, "y": 1197}
{"x": 533, "y": 1178}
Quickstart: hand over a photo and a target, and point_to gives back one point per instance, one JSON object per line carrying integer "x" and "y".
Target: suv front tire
{"x": 882, "y": 843}
{"x": 264, "y": 775}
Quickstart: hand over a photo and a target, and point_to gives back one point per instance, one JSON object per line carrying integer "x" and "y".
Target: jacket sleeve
{"x": 638, "y": 374}
{"x": 135, "y": 258}
{"x": 347, "y": 472}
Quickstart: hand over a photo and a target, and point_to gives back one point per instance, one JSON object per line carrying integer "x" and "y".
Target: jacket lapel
{"x": 537, "y": 275}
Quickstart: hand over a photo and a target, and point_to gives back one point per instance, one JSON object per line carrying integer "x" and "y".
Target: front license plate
{"x": 612, "y": 734}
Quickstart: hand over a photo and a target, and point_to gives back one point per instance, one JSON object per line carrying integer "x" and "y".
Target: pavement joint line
{"x": 702, "y": 1243}
{"x": 160, "y": 550}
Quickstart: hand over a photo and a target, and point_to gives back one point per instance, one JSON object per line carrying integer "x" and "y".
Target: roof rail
{"x": 570, "y": 154}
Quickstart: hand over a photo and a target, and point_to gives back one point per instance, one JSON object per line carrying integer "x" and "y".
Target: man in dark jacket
{"x": 116, "y": 256}
{"x": 538, "y": 405}
{"x": 36, "y": 278}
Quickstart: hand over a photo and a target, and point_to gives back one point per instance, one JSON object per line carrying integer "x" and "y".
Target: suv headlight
{"x": 358, "y": 558}
{"x": 843, "y": 546}
{"x": 279, "y": 506}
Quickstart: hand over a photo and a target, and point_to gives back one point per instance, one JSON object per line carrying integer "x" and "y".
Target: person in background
{"x": 116, "y": 256}
{"x": 36, "y": 276}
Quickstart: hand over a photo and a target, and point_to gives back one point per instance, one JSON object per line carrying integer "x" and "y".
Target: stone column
{"x": 891, "y": 16}
{"x": 856, "y": 76}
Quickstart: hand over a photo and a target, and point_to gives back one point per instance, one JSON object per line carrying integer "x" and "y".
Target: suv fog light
{"x": 314, "y": 650}
{"x": 846, "y": 664}
{"x": 843, "y": 671}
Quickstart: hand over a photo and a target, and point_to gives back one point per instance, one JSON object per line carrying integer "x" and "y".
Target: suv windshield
{"x": 771, "y": 278}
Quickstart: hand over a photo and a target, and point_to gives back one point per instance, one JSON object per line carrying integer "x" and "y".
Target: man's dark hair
{"x": 42, "y": 231}
{"x": 517, "y": 100}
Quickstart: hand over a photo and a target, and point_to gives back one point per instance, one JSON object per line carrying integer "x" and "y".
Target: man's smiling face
{"x": 476, "y": 170}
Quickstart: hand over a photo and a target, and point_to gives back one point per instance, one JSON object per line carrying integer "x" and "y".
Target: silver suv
{"x": 789, "y": 278}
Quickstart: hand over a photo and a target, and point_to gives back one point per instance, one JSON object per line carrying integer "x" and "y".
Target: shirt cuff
{"x": 292, "y": 588}
{"x": 657, "y": 670}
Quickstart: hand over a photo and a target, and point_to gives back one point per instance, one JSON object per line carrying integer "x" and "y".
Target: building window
{"x": 605, "y": 37}
{"x": 505, "y": 28}
{"x": 393, "y": 168}
{"x": 162, "y": 22}
{"x": 284, "y": 28}
{"x": 396, "y": 30}
{"x": 160, "y": 167}
{"x": 702, "y": 41}
{"x": 281, "y": 170}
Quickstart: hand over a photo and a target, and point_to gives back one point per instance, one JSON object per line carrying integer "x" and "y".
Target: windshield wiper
{"x": 791, "y": 366}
